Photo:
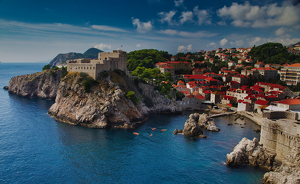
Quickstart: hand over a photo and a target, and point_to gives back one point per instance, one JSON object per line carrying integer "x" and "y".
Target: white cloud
{"x": 138, "y": 45}
{"x": 212, "y": 44}
{"x": 182, "y": 48}
{"x": 102, "y": 46}
{"x": 167, "y": 17}
{"x": 256, "y": 41}
{"x": 222, "y": 23}
{"x": 237, "y": 43}
{"x": 142, "y": 27}
{"x": 186, "y": 16}
{"x": 203, "y": 16}
{"x": 223, "y": 41}
{"x": 187, "y": 34}
{"x": 108, "y": 28}
{"x": 280, "y": 31}
{"x": 41, "y": 29}
{"x": 247, "y": 15}
{"x": 178, "y": 3}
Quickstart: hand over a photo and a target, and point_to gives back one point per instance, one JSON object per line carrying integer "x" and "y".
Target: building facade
{"x": 116, "y": 59}
{"x": 290, "y": 74}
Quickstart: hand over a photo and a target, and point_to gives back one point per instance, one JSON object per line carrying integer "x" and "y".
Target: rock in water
{"x": 191, "y": 127}
{"x": 251, "y": 152}
{"x": 206, "y": 124}
{"x": 5, "y": 87}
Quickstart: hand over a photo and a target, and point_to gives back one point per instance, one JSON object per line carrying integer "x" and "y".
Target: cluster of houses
{"x": 260, "y": 96}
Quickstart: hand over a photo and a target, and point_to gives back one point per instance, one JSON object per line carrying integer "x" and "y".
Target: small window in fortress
{"x": 90, "y": 67}
{"x": 105, "y": 58}
{"x": 93, "y": 67}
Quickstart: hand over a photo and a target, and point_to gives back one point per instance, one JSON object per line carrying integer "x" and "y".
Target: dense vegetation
{"x": 145, "y": 58}
{"x": 273, "y": 53}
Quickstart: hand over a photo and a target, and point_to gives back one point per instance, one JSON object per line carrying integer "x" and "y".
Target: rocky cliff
{"x": 39, "y": 85}
{"x": 288, "y": 172}
{"x": 158, "y": 103}
{"x": 106, "y": 104}
{"x": 251, "y": 152}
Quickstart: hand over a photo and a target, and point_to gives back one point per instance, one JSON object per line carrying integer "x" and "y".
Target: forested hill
{"x": 145, "y": 58}
{"x": 62, "y": 58}
{"x": 274, "y": 53}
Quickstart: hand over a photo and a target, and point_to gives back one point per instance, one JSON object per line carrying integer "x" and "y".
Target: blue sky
{"x": 32, "y": 31}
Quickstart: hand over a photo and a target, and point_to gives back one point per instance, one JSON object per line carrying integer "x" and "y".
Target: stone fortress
{"x": 116, "y": 59}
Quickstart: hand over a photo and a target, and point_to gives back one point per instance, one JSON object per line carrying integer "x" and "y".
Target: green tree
{"x": 46, "y": 67}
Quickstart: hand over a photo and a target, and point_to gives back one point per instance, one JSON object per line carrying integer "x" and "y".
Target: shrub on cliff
{"x": 48, "y": 66}
{"x": 131, "y": 95}
{"x": 87, "y": 84}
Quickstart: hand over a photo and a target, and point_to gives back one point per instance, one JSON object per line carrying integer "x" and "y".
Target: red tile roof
{"x": 290, "y": 101}
{"x": 261, "y": 102}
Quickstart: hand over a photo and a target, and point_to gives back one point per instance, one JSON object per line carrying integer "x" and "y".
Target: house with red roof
{"x": 234, "y": 84}
{"x": 290, "y": 74}
{"x": 242, "y": 79}
{"x": 291, "y": 104}
{"x": 197, "y": 72}
{"x": 244, "y": 106}
{"x": 191, "y": 102}
{"x": 268, "y": 72}
{"x": 259, "y": 103}
{"x": 228, "y": 99}
{"x": 259, "y": 64}
{"x": 216, "y": 97}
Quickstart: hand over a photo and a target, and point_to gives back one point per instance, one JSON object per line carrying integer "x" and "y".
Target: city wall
{"x": 280, "y": 136}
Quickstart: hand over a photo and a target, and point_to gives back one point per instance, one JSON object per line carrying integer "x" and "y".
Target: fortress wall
{"x": 281, "y": 115}
{"x": 88, "y": 68}
{"x": 280, "y": 136}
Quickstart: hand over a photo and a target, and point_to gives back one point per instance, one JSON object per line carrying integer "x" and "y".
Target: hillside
{"x": 274, "y": 53}
{"x": 145, "y": 58}
{"x": 62, "y": 58}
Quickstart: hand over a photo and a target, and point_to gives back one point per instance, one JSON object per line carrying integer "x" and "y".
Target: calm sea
{"x": 34, "y": 148}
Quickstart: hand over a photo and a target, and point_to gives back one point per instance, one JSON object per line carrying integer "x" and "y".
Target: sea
{"x": 34, "y": 148}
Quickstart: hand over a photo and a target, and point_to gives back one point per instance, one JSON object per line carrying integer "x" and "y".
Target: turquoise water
{"x": 34, "y": 148}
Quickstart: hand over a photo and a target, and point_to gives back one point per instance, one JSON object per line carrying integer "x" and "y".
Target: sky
{"x": 38, "y": 30}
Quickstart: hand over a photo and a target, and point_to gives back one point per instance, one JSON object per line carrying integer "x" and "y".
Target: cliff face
{"x": 39, "y": 85}
{"x": 251, "y": 152}
{"x": 159, "y": 103}
{"x": 63, "y": 57}
{"x": 288, "y": 172}
{"x": 104, "y": 106}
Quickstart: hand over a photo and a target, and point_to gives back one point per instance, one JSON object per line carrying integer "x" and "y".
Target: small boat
{"x": 153, "y": 129}
{"x": 151, "y": 135}
{"x": 163, "y": 130}
{"x": 135, "y": 133}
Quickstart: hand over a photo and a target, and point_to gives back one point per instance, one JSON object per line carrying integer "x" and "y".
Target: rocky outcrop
{"x": 207, "y": 124}
{"x": 159, "y": 103}
{"x": 251, "y": 152}
{"x": 191, "y": 127}
{"x": 177, "y": 131}
{"x": 104, "y": 106}
{"x": 38, "y": 85}
{"x": 288, "y": 172}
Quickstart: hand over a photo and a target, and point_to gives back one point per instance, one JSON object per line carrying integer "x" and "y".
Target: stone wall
{"x": 281, "y": 115}
{"x": 280, "y": 136}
